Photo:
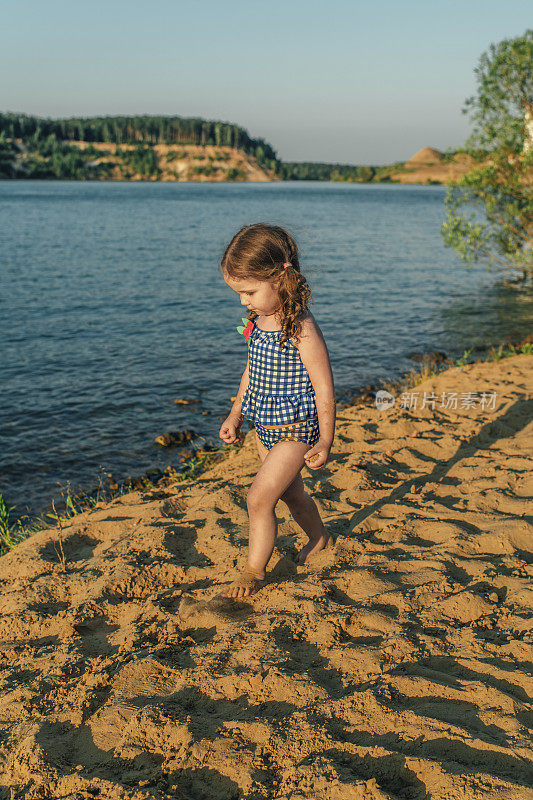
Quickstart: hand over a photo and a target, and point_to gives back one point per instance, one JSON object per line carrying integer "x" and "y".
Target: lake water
{"x": 112, "y": 305}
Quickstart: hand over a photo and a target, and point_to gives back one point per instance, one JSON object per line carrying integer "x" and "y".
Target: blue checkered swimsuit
{"x": 280, "y": 392}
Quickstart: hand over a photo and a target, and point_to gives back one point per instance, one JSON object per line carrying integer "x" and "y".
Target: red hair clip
{"x": 287, "y": 264}
{"x": 247, "y": 330}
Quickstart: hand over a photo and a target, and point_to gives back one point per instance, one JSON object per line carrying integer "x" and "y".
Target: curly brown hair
{"x": 260, "y": 251}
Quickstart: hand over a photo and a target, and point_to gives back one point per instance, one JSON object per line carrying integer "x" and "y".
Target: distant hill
{"x": 428, "y": 155}
{"x": 431, "y": 166}
{"x": 131, "y": 148}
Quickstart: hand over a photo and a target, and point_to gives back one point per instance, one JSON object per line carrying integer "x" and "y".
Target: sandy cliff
{"x": 186, "y": 163}
{"x": 430, "y": 166}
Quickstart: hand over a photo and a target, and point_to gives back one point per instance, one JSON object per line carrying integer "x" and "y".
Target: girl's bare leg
{"x": 303, "y": 510}
{"x": 277, "y": 479}
{"x": 280, "y": 466}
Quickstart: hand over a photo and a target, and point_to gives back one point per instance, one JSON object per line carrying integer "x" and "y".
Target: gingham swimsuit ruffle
{"x": 279, "y": 388}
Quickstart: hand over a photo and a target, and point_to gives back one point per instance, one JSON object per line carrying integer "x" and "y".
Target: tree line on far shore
{"x": 317, "y": 171}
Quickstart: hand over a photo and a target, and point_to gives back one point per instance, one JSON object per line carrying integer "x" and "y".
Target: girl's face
{"x": 259, "y": 296}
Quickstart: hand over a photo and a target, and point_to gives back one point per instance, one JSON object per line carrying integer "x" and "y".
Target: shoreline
{"x": 205, "y": 456}
{"x": 426, "y": 181}
{"x": 396, "y": 661}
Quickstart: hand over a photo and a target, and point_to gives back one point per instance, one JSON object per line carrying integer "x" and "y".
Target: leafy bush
{"x": 204, "y": 169}
{"x": 234, "y": 174}
{"x": 142, "y": 160}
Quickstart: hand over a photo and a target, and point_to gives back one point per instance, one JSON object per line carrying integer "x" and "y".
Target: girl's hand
{"x": 229, "y": 430}
{"x": 318, "y": 455}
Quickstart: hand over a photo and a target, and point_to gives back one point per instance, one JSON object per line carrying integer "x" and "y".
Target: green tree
{"x": 490, "y": 209}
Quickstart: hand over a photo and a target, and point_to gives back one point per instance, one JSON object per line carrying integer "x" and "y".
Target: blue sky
{"x": 349, "y": 81}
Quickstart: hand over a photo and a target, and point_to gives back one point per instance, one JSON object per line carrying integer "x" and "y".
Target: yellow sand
{"x": 398, "y": 665}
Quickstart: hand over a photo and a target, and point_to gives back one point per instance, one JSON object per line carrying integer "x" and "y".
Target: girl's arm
{"x": 236, "y": 407}
{"x": 315, "y": 358}
{"x": 229, "y": 430}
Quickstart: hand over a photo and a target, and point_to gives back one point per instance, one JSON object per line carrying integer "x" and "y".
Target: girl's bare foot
{"x": 312, "y": 548}
{"x": 249, "y": 582}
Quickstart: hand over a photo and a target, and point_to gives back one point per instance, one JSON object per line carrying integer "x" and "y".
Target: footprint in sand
{"x": 195, "y": 612}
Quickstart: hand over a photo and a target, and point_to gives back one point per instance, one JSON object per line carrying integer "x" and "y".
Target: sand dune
{"x": 398, "y": 665}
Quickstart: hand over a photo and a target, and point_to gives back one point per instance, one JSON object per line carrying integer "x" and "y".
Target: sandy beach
{"x": 396, "y": 666}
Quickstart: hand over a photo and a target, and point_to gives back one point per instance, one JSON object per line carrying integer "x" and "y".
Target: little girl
{"x": 286, "y": 390}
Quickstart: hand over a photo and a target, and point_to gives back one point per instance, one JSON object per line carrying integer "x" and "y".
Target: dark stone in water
{"x": 173, "y": 438}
